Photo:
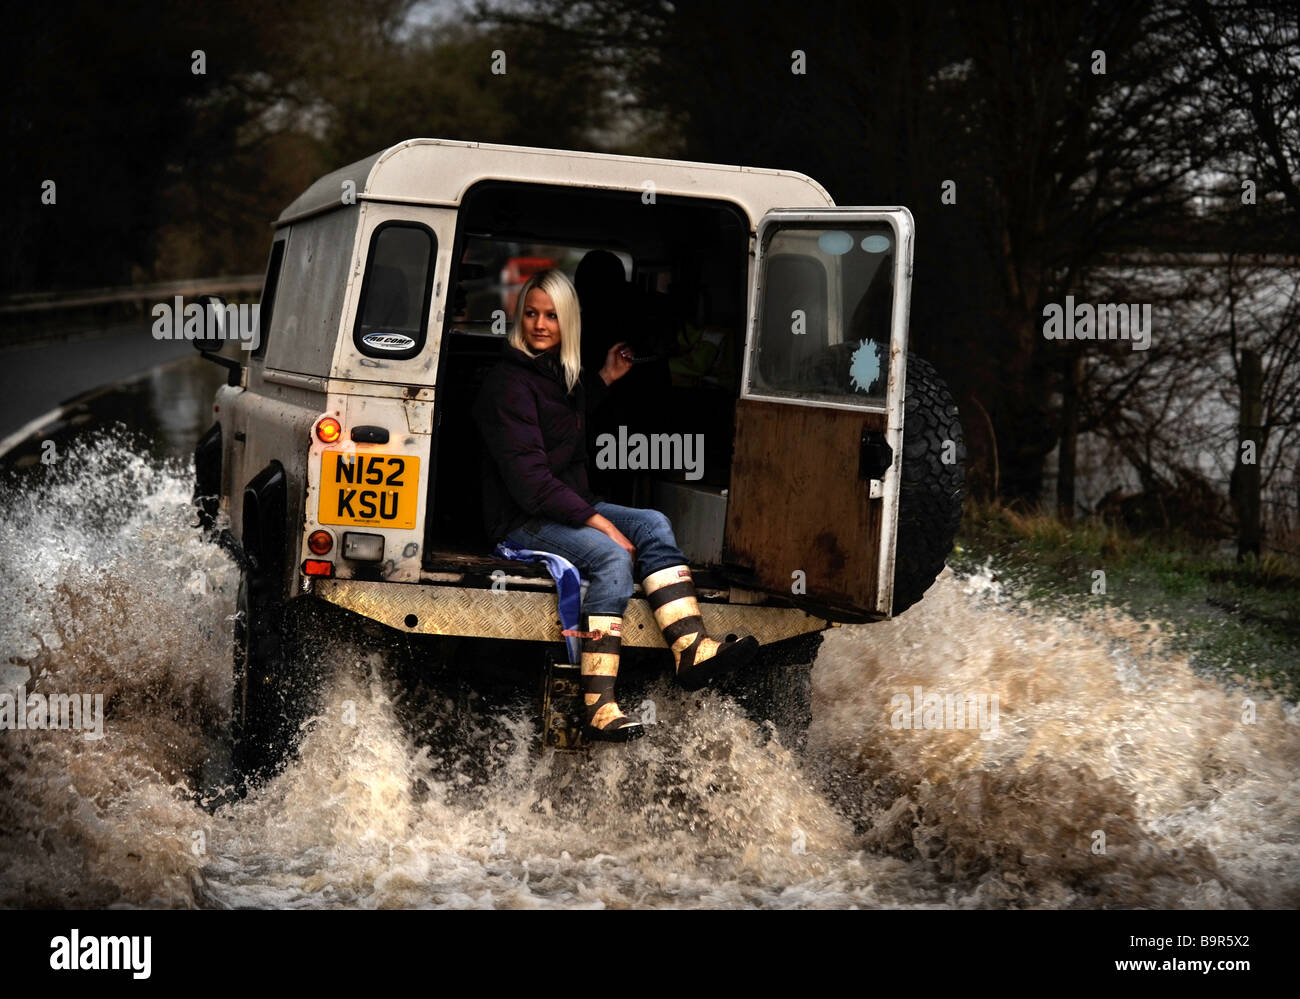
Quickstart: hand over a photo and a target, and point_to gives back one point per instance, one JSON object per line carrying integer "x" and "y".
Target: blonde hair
{"x": 565, "y": 297}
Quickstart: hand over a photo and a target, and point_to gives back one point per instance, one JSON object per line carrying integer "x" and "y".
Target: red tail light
{"x": 317, "y": 567}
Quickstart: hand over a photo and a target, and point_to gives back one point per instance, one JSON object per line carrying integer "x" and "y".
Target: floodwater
{"x": 1110, "y": 774}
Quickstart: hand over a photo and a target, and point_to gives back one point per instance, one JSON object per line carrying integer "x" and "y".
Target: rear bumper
{"x": 532, "y": 614}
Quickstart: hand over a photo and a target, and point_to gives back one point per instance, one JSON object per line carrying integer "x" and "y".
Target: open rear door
{"x": 813, "y": 502}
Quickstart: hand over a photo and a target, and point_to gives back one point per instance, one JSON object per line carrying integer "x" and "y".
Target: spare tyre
{"x": 933, "y": 483}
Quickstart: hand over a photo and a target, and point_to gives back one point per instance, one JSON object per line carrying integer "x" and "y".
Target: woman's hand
{"x": 606, "y": 528}
{"x": 618, "y": 362}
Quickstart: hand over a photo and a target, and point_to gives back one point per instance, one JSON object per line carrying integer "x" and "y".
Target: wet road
{"x": 164, "y": 406}
{"x": 38, "y": 377}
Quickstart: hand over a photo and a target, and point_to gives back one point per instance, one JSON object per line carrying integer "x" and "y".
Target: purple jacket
{"x": 535, "y": 462}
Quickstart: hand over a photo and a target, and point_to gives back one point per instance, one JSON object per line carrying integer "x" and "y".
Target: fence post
{"x": 1250, "y": 380}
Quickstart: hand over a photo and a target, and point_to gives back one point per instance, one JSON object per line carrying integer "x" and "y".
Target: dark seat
{"x": 457, "y": 496}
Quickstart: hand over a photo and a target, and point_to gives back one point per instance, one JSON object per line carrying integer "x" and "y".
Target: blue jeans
{"x": 606, "y": 566}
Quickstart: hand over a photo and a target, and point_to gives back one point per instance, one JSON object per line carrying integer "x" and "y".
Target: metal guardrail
{"x": 1170, "y": 258}
{"x": 53, "y": 301}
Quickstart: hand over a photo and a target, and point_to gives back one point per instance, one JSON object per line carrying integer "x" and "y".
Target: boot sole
{"x": 728, "y": 658}
{"x": 624, "y": 734}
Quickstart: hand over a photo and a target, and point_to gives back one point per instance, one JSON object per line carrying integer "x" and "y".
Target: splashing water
{"x": 421, "y": 798}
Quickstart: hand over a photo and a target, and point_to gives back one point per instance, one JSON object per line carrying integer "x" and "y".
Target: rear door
{"x": 813, "y": 500}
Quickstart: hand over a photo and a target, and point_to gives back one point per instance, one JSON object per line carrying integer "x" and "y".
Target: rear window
{"x": 393, "y": 316}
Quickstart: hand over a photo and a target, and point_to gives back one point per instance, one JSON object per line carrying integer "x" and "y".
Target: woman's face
{"x": 541, "y": 325}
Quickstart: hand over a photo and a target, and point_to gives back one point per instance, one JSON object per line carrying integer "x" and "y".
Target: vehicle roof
{"x": 440, "y": 171}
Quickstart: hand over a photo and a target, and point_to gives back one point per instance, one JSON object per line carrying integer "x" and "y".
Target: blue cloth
{"x": 568, "y": 585}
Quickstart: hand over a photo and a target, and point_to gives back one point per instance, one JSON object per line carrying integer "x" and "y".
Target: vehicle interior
{"x": 668, "y": 277}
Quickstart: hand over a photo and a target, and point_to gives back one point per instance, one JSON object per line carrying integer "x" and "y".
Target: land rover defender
{"x": 343, "y": 463}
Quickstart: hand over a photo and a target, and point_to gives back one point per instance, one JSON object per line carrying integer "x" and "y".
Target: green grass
{"x": 1232, "y": 618}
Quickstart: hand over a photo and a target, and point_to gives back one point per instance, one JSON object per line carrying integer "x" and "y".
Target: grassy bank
{"x": 1229, "y": 617}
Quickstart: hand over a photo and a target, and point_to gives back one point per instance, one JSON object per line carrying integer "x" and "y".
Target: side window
{"x": 824, "y": 314}
{"x": 267, "y": 305}
{"x": 393, "y": 315}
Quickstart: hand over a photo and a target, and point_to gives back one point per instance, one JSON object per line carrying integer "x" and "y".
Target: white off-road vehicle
{"x": 344, "y": 463}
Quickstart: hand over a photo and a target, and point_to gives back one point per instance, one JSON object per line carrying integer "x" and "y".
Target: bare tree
{"x": 1255, "y": 90}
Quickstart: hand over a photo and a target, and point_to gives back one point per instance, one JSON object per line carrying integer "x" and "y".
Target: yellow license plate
{"x": 369, "y": 490}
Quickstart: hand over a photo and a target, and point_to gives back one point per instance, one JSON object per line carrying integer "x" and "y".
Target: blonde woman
{"x": 531, "y": 412}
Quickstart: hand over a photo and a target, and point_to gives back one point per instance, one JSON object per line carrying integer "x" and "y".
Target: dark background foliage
{"x": 1061, "y": 173}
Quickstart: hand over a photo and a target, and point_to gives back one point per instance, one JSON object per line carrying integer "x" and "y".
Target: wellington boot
{"x": 698, "y": 657}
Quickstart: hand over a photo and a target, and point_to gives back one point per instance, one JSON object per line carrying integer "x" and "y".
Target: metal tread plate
{"x": 533, "y": 615}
